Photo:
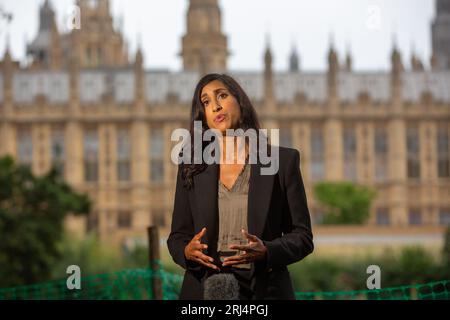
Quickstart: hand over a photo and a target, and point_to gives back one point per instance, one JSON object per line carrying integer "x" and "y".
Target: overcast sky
{"x": 365, "y": 27}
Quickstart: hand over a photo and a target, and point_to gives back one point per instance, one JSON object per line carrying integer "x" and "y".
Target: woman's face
{"x": 222, "y": 110}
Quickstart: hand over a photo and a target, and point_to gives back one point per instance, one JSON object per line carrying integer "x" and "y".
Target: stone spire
{"x": 294, "y": 61}
{"x": 204, "y": 46}
{"x": 7, "y": 54}
{"x": 7, "y": 67}
{"x": 443, "y": 7}
{"x": 139, "y": 77}
{"x": 348, "y": 65}
{"x": 396, "y": 59}
{"x": 416, "y": 64}
{"x": 441, "y": 35}
{"x": 333, "y": 70}
{"x": 268, "y": 74}
{"x": 396, "y": 72}
{"x": 45, "y": 49}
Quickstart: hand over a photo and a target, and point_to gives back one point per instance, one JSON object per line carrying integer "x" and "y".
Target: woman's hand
{"x": 193, "y": 251}
{"x": 255, "y": 250}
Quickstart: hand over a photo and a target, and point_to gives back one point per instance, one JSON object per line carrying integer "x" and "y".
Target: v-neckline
{"x": 236, "y": 180}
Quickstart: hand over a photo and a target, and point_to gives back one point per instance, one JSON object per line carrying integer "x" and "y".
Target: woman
{"x": 228, "y": 218}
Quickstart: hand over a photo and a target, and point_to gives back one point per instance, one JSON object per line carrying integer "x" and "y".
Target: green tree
{"x": 32, "y": 211}
{"x": 347, "y": 203}
{"x": 446, "y": 248}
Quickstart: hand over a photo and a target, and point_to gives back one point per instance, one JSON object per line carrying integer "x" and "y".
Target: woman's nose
{"x": 217, "y": 107}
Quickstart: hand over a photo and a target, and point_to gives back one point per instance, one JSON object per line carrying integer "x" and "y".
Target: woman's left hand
{"x": 255, "y": 250}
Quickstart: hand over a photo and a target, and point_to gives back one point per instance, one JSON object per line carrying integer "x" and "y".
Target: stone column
{"x": 428, "y": 169}
{"x": 398, "y": 171}
{"x": 364, "y": 151}
{"x": 74, "y": 140}
{"x": 333, "y": 125}
{"x": 112, "y": 192}
{"x": 8, "y": 138}
{"x": 304, "y": 133}
{"x": 7, "y": 129}
{"x": 42, "y": 142}
{"x": 333, "y": 150}
{"x": 140, "y": 175}
{"x": 36, "y": 159}
{"x": 140, "y": 194}
{"x": 104, "y": 176}
{"x": 397, "y": 146}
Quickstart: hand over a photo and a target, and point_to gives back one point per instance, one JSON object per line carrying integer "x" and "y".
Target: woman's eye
{"x": 205, "y": 103}
{"x": 223, "y": 95}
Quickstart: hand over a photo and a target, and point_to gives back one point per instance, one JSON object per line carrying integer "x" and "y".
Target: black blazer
{"x": 277, "y": 213}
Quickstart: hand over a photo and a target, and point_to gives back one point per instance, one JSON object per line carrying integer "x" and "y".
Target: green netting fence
{"x": 136, "y": 284}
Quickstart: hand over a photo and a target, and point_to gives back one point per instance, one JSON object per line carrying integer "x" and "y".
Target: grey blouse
{"x": 233, "y": 215}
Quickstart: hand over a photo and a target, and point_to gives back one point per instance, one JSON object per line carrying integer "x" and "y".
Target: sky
{"x": 365, "y": 28}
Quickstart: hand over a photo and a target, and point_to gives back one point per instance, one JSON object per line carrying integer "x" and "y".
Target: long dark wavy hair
{"x": 248, "y": 120}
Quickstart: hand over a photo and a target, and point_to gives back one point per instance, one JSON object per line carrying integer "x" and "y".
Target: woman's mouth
{"x": 219, "y": 118}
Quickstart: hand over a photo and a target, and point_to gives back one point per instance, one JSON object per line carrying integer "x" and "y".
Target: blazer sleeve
{"x": 297, "y": 239}
{"x": 182, "y": 227}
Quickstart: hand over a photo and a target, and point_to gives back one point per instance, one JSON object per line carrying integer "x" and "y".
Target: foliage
{"x": 94, "y": 257}
{"x": 87, "y": 253}
{"x": 413, "y": 265}
{"x": 347, "y": 203}
{"x": 32, "y": 211}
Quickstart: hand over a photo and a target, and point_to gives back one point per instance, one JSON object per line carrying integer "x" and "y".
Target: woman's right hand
{"x": 193, "y": 251}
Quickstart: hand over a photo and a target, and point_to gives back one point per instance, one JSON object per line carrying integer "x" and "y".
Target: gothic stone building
{"x": 80, "y": 103}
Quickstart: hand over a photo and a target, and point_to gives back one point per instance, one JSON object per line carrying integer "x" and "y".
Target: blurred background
{"x": 90, "y": 92}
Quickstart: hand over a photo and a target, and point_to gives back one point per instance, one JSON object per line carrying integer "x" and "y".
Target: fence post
{"x": 155, "y": 262}
{"x": 414, "y": 293}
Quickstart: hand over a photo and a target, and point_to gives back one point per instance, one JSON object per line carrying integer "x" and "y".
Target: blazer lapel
{"x": 259, "y": 195}
{"x": 206, "y": 198}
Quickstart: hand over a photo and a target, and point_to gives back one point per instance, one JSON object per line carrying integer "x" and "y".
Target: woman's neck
{"x": 236, "y": 147}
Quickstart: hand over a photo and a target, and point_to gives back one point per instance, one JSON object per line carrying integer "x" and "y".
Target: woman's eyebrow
{"x": 215, "y": 91}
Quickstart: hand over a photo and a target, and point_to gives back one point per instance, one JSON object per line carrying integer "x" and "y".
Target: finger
{"x": 199, "y": 246}
{"x": 199, "y": 235}
{"x": 249, "y": 236}
{"x": 203, "y": 256}
{"x": 236, "y": 257}
{"x": 247, "y": 247}
{"x": 232, "y": 263}
{"x": 207, "y": 264}
{"x": 235, "y": 260}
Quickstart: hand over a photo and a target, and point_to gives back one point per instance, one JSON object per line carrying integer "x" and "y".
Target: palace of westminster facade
{"x": 82, "y": 104}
